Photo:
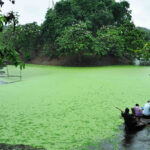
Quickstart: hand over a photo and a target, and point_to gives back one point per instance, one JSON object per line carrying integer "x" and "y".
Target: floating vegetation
{"x": 69, "y": 108}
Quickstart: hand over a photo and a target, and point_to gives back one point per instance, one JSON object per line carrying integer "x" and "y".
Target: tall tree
{"x": 76, "y": 40}
{"x": 109, "y": 41}
{"x": 95, "y": 13}
{"x": 133, "y": 39}
{"x": 146, "y": 31}
{"x": 7, "y": 54}
{"x": 25, "y": 39}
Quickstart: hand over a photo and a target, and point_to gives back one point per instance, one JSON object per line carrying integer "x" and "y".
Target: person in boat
{"x": 137, "y": 111}
{"x": 129, "y": 120}
{"x": 146, "y": 111}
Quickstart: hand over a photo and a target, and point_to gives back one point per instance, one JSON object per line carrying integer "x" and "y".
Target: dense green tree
{"x": 25, "y": 39}
{"x": 79, "y": 28}
{"x": 146, "y": 31}
{"x": 95, "y": 13}
{"x": 145, "y": 52}
{"x": 109, "y": 41}
{"x": 133, "y": 40}
{"x": 123, "y": 41}
{"x": 8, "y": 55}
{"x": 121, "y": 12}
{"x": 76, "y": 40}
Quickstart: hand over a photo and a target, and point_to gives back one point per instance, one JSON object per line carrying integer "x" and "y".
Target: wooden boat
{"x": 141, "y": 123}
{"x": 133, "y": 123}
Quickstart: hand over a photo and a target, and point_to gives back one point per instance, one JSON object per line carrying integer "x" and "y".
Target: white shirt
{"x": 146, "y": 110}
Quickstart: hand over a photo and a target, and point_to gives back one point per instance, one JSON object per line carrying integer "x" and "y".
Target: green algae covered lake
{"x": 68, "y": 108}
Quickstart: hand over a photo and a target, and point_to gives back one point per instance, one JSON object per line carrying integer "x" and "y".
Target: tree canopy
{"x": 8, "y": 55}
{"x": 79, "y": 28}
{"x": 76, "y": 40}
{"x": 146, "y": 31}
{"x": 95, "y": 14}
{"x": 24, "y": 39}
{"x": 121, "y": 40}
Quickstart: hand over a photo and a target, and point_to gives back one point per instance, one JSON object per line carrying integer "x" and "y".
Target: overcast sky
{"x": 35, "y": 10}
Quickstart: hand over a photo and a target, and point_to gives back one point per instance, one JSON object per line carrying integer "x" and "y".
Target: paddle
{"x": 119, "y": 109}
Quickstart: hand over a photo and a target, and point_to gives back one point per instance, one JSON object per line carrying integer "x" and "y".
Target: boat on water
{"x": 141, "y": 123}
{"x": 133, "y": 123}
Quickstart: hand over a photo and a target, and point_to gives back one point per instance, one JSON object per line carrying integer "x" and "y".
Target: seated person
{"x": 130, "y": 120}
{"x": 146, "y": 111}
{"x": 137, "y": 111}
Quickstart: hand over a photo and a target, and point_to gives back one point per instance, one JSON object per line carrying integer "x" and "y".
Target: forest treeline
{"x": 81, "y": 28}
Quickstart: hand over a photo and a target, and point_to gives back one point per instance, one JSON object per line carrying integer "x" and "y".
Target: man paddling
{"x": 129, "y": 120}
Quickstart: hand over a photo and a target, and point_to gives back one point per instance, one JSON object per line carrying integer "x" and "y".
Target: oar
{"x": 119, "y": 109}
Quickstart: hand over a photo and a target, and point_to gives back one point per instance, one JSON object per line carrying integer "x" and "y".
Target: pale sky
{"x": 140, "y": 12}
{"x": 35, "y": 10}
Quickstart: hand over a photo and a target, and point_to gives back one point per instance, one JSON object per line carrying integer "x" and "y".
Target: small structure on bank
{"x": 7, "y": 77}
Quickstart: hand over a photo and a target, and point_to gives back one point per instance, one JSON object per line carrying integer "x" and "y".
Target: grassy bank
{"x": 67, "y": 108}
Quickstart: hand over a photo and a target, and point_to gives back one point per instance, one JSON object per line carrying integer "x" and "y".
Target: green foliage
{"x": 2, "y": 20}
{"x": 79, "y": 27}
{"x": 95, "y": 14}
{"x": 133, "y": 40}
{"x": 76, "y": 40}
{"x": 109, "y": 41}
{"x": 120, "y": 41}
{"x": 147, "y": 33}
{"x": 25, "y": 39}
{"x": 145, "y": 51}
{"x": 121, "y": 12}
{"x": 8, "y": 55}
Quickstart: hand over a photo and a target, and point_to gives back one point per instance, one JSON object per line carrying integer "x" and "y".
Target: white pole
{"x": 7, "y": 72}
{"x": 20, "y": 74}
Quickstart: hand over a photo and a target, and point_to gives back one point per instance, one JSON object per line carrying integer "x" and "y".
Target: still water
{"x": 139, "y": 140}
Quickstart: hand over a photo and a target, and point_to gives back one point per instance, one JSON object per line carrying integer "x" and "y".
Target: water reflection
{"x": 3, "y": 82}
{"x": 137, "y": 140}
